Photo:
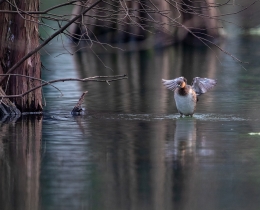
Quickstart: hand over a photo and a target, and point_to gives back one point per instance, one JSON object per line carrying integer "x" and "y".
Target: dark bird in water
{"x": 186, "y": 96}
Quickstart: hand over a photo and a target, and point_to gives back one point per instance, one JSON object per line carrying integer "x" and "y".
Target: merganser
{"x": 186, "y": 96}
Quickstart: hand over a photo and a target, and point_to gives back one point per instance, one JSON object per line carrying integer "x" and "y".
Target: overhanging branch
{"x": 106, "y": 79}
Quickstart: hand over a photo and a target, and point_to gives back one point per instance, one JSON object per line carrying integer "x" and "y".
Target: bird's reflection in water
{"x": 180, "y": 153}
{"x": 184, "y": 142}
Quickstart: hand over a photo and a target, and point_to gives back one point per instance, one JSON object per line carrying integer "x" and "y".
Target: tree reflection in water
{"x": 20, "y": 161}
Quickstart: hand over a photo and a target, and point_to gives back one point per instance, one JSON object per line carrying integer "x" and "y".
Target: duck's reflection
{"x": 184, "y": 141}
{"x": 180, "y": 155}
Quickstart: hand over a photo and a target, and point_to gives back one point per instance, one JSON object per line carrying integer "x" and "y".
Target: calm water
{"x": 130, "y": 150}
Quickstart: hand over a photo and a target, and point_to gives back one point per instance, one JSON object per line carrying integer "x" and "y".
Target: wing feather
{"x": 202, "y": 85}
{"x": 172, "y": 84}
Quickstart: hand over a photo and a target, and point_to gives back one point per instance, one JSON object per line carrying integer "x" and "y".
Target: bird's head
{"x": 182, "y": 82}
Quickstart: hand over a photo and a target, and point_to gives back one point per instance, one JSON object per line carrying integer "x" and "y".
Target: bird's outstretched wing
{"x": 202, "y": 85}
{"x": 172, "y": 84}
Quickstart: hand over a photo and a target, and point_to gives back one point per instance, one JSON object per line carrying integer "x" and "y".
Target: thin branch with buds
{"x": 106, "y": 79}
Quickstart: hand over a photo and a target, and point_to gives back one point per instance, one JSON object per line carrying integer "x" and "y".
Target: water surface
{"x": 130, "y": 149}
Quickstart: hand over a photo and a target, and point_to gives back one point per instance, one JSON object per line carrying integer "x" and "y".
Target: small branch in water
{"x": 106, "y": 79}
{"x": 77, "y": 109}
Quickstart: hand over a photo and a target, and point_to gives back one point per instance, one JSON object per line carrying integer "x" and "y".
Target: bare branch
{"x": 106, "y": 79}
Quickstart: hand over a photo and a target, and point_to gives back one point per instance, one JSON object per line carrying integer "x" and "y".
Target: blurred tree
{"x": 166, "y": 21}
{"x": 94, "y": 22}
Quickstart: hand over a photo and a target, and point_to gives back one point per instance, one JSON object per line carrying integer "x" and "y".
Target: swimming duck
{"x": 186, "y": 96}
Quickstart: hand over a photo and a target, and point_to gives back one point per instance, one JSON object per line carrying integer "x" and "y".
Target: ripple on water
{"x": 202, "y": 117}
{"x": 149, "y": 117}
{"x": 215, "y": 117}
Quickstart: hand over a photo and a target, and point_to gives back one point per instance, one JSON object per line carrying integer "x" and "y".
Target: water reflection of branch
{"x": 9, "y": 118}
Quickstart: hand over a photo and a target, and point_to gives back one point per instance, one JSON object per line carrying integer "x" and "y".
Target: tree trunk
{"x": 18, "y": 36}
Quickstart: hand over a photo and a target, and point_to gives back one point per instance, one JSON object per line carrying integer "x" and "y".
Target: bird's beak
{"x": 182, "y": 85}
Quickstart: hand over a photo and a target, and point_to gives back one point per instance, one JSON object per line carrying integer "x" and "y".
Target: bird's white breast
{"x": 185, "y": 104}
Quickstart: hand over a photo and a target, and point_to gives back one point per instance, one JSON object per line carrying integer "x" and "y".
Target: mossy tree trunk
{"x": 18, "y": 36}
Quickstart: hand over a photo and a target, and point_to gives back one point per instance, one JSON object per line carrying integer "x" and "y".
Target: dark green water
{"x": 130, "y": 150}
